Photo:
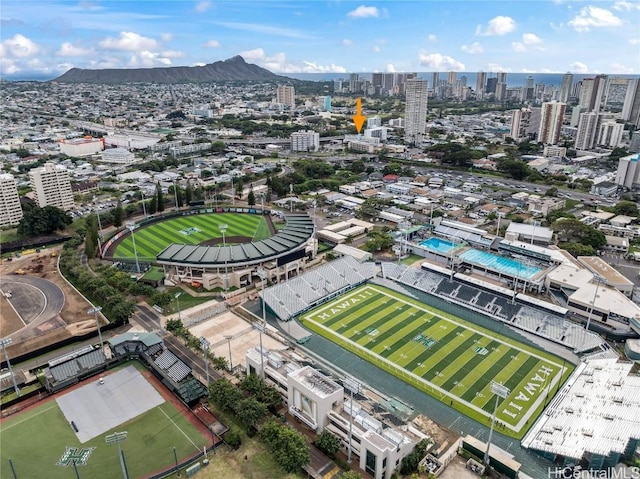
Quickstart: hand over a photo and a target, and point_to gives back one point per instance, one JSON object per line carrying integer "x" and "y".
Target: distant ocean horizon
{"x": 513, "y": 79}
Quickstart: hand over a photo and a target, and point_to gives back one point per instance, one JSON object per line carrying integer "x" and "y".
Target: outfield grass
{"x": 447, "y": 357}
{"x": 36, "y": 440}
{"x": 151, "y": 240}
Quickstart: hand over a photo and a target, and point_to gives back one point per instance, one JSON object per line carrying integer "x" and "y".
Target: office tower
{"x": 616, "y": 93}
{"x": 305, "y": 141}
{"x": 435, "y": 81}
{"x": 481, "y": 83}
{"x": 610, "y": 134}
{"x": 634, "y": 143}
{"x": 501, "y": 91}
{"x": 338, "y": 85}
{"x": 565, "y": 87}
{"x": 354, "y": 83}
{"x": 376, "y": 79}
{"x": 286, "y": 95}
{"x": 528, "y": 88}
{"x": 628, "y": 174}
{"x": 587, "y": 129}
{"x": 52, "y": 186}
{"x": 502, "y": 77}
{"x": 415, "y": 110}
{"x": 452, "y": 78}
{"x": 10, "y": 209}
{"x": 576, "y": 111}
{"x": 631, "y": 105}
{"x": 551, "y": 118}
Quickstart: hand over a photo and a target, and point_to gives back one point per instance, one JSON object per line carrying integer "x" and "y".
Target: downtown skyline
{"x": 322, "y": 37}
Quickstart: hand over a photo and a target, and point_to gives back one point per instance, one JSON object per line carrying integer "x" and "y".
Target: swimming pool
{"x": 439, "y": 245}
{"x": 501, "y": 264}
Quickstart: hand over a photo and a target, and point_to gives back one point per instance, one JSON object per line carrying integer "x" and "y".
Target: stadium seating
{"x": 178, "y": 371}
{"x": 289, "y": 298}
{"x": 166, "y": 359}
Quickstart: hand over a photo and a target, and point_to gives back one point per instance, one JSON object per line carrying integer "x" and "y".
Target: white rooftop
{"x": 541, "y": 233}
{"x": 597, "y": 411}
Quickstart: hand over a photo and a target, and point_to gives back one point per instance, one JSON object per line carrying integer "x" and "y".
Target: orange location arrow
{"x": 359, "y": 118}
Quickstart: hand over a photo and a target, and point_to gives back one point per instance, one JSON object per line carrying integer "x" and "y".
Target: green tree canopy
{"x": 38, "y": 221}
{"x": 118, "y": 215}
{"x": 627, "y": 208}
{"x": 288, "y": 446}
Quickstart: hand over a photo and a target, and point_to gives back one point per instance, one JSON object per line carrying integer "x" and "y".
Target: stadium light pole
{"x": 351, "y": 384}
{"x": 229, "y": 337}
{"x": 598, "y": 280}
{"x": 3, "y": 343}
{"x": 99, "y": 224}
{"x": 533, "y": 234}
{"x": 262, "y": 274}
{"x": 95, "y": 312}
{"x": 144, "y": 207}
{"x": 177, "y": 296}
{"x": 205, "y": 352}
{"x": 132, "y": 226}
{"x": 175, "y": 193}
{"x": 116, "y": 438}
{"x": 500, "y": 391}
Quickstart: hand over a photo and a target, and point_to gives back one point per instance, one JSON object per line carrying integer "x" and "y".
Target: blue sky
{"x": 47, "y": 37}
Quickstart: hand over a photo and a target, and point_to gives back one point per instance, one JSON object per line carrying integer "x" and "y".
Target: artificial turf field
{"x": 36, "y": 440}
{"x": 447, "y": 357}
{"x": 193, "y": 229}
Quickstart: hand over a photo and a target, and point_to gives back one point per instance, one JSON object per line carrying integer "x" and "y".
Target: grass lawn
{"x": 37, "y": 439}
{"x": 9, "y": 235}
{"x": 194, "y": 229}
{"x": 447, "y": 357}
{"x": 412, "y": 258}
{"x": 186, "y": 300}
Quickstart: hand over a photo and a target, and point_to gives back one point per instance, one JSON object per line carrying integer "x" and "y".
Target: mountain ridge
{"x": 231, "y": 69}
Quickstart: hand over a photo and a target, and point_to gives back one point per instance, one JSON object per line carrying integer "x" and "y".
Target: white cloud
{"x": 129, "y": 41}
{"x": 627, "y": 6}
{"x": 526, "y": 70}
{"x": 8, "y": 66}
{"x": 621, "y": 69}
{"x": 499, "y": 25}
{"x": 579, "y": 67}
{"x": 495, "y": 67}
{"x": 267, "y": 29}
{"x": 474, "y": 48}
{"x": 18, "y": 46}
{"x": 364, "y": 12}
{"x": 212, "y": 44}
{"x": 531, "y": 39}
{"x": 634, "y": 41}
{"x": 347, "y": 42}
{"x": 518, "y": 47}
{"x": 432, "y": 37}
{"x": 594, "y": 17}
{"x": 376, "y": 48}
{"x": 68, "y": 49}
{"x": 391, "y": 68}
{"x": 438, "y": 62}
{"x": 165, "y": 37}
{"x": 148, "y": 59}
{"x": 63, "y": 67}
{"x": 278, "y": 63}
{"x": 172, "y": 54}
{"x": 202, "y": 7}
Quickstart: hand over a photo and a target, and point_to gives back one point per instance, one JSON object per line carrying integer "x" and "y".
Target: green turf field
{"x": 36, "y": 440}
{"x": 193, "y": 229}
{"x": 444, "y": 356}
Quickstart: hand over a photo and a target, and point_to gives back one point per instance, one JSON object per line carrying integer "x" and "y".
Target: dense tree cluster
{"x": 38, "y": 221}
{"x": 287, "y": 445}
{"x": 577, "y": 237}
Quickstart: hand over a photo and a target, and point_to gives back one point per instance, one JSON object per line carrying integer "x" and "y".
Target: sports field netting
{"x": 445, "y": 356}
{"x": 193, "y": 230}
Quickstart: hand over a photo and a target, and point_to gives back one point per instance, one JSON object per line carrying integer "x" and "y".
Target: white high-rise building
{"x": 610, "y": 134}
{"x": 305, "y": 141}
{"x": 587, "y": 131}
{"x": 481, "y": 84}
{"x": 286, "y": 95}
{"x": 552, "y": 115}
{"x": 415, "y": 110}
{"x": 10, "y": 209}
{"x": 628, "y": 174}
{"x": 631, "y": 105}
{"x": 565, "y": 87}
{"x": 52, "y": 186}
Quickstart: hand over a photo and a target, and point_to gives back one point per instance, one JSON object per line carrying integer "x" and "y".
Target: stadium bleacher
{"x": 289, "y": 298}
{"x": 71, "y": 368}
{"x": 166, "y": 359}
{"x": 178, "y": 371}
{"x": 523, "y": 316}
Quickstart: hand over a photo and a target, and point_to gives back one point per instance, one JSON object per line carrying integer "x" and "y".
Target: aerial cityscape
{"x": 330, "y": 239}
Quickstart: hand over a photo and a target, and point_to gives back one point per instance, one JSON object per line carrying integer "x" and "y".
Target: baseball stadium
{"x": 218, "y": 247}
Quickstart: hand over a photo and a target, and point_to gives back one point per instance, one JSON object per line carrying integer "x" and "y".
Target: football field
{"x": 447, "y": 357}
{"x": 193, "y": 229}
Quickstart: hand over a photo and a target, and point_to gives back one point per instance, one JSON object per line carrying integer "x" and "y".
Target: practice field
{"x": 447, "y": 357}
{"x": 193, "y": 229}
{"x": 42, "y": 443}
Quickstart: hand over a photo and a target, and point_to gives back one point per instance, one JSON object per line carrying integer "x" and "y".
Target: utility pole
{"x": 95, "y": 312}
{"x": 3, "y": 343}
{"x": 116, "y": 438}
